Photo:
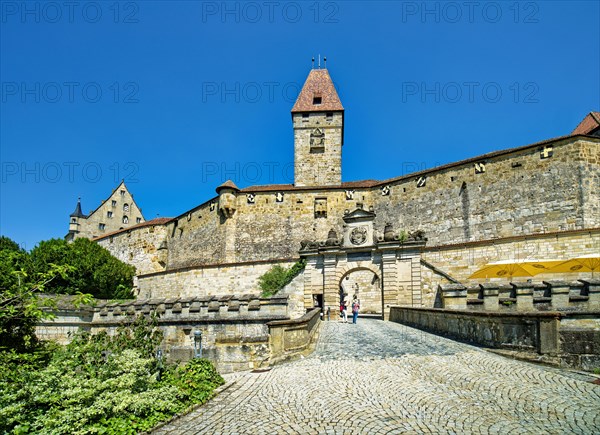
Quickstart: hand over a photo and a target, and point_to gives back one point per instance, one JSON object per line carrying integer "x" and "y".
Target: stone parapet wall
{"x": 566, "y": 339}
{"x": 580, "y": 295}
{"x": 235, "y": 331}
{"x": 291, "y": 338}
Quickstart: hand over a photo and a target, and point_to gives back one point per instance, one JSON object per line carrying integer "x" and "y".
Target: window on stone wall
{"x": 329, "y": 116}
{"x": 122, "y": 193}
{"x": 101, "y": 227}
{"x": 125, "y": 207}
{"x": 138, "y": 220}
{"x": 125, "y": 220}
{"x": 109, "y": 214}
{"x": 114, "y": 203}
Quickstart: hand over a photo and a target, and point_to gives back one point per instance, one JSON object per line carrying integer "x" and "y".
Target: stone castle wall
{"x": 499, "y": 206}
{"x": 144, "y": 248}
{"x": 519, "y": 193}
{"x": 204, "y": 281}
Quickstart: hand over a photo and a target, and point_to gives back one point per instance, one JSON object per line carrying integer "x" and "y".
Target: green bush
{"x": 278, "y": 277}
{"x": 94, "y": 269}
{"x": 99, "y": 384}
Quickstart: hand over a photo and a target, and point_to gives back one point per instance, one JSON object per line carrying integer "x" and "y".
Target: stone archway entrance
{"x": 385, "y": 270}
{"x": 366, "y": 285}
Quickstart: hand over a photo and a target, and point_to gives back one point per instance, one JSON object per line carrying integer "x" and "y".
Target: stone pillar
{"x": 454, "y": 296}
{"x": 309, "y": 270}
{"x": 331, "y": 285}
{"x": 389, "y": 282}
{"x": 490, "y": 291}
{"x": 559, "y": 292}
{"x": 523, "y": 292}
{"x": 592, "y": 287}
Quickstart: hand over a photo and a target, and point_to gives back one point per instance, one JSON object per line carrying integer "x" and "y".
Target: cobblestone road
{"x": 380, "y": 377}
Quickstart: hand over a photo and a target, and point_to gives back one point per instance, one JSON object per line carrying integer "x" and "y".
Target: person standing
{"x": 344, "y": 308}
{"x": 355, "y": 309}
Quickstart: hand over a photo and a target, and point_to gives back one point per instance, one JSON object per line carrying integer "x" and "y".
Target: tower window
{"x": 317, "y": 100}
{"x": 73, "y": 221}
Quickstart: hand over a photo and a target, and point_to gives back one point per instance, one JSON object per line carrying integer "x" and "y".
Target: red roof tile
{"x": 227, "y": 185}
{"x": 318, "y": 85}
{"x": 590, "y": 123}
{"x": 155, "y": 221}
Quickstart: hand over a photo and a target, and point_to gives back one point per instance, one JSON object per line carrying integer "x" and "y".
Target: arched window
{"x": 125, "y": 219}
{"x": 126, "y": 208}
{"x": 73, "y": 221}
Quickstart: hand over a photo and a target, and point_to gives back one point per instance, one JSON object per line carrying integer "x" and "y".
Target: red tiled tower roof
{"x": 318, "y": 94}
{"x": 227, "y": 185}
{"x": 590, "y": 123}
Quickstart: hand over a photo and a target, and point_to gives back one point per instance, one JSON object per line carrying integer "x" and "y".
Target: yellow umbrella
{"x": 585, "y": 263}
{"x": 510, "y": 268}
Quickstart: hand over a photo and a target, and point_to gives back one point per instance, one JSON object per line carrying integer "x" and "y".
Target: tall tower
{"x": 318, "y": 119}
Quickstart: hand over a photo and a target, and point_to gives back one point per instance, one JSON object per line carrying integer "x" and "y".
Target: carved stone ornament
{"x": 385, "y": 190}
{"x": 332, "y": 238}
{"x": 317, "y": 138}
{"x": 349, "y": 194}
{"x": 358, "y": 235}
{"x": 251, "y": 198}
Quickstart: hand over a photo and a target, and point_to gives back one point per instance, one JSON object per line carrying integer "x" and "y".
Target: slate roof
{"x": 318, "y": 84}
{"x": 78, "y": 212}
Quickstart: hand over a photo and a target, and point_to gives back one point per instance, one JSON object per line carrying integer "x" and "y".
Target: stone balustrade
{"x": 235, "y": 329}
{"x": 580, "y": 295}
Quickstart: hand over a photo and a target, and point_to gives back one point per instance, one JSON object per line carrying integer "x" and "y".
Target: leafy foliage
{"x": 95, "y": 270}
{"x": 99, "y": 384}
{"x": 278, "y": 277}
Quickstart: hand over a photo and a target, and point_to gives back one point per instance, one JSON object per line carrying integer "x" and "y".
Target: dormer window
{"x": 317, "y": 100}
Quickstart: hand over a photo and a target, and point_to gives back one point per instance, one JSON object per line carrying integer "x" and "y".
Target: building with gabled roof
{"x": 117, "y": 212}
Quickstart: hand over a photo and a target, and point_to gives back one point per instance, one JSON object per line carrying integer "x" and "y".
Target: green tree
{"x": 95, "y": 270}
{"x": 19, "y": 306}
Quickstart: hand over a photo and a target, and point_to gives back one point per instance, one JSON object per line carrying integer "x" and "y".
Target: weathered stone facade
{"x": 539, "y": 200}
{"x": 117, "y": 212}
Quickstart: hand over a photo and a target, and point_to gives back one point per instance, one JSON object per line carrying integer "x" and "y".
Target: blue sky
{"x": 177, "y": 97}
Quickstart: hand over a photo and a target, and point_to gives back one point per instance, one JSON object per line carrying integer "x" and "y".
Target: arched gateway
{"x": 385, "y": 270}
